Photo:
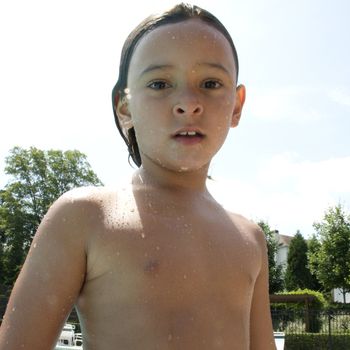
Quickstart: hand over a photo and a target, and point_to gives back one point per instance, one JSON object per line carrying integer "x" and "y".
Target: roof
{"x": 284, "y": 240}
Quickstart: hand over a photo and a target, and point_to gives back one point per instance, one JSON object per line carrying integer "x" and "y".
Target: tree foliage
{"x": 37, "y": 179}
{"x": 298, "y": 275}
{"x": 275, "y": 270}
{"x": 313, "y": 246}
{"x": 331, "y": 262}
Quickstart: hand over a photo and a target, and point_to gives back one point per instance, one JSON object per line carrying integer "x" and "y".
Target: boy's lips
{"x": 190, "y": 131}
{"x": 188, "y": 136}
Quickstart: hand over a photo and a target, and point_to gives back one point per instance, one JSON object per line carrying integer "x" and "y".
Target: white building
{"x": 283, "y": 248}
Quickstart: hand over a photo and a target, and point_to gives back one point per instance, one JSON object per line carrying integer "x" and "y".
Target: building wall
{"x": 281, "y": 256}
{"x": 338, "y": 296}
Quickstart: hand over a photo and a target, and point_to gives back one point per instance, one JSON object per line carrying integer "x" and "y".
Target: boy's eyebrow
{"x": 216, "y": 65}
{"x": 153, "y": 67}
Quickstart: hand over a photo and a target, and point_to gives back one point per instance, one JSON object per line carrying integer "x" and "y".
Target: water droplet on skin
{"x": 14, "y": 309}
{"x": 127, "y": 93}
{"x": 170, "y": 337}
{"x": 185, "y": 276}
{"x": 143, "y": 235}
{"x": 34, "y": 245}
{"x": 157, "y": 247}
{"x": 173, "y": 37}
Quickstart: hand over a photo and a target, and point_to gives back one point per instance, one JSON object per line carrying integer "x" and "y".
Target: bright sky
{"x": 287, "y": 161}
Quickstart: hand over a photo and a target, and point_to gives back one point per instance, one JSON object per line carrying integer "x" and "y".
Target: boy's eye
{"x": 158, "y": 85}
{"x": 212, "y": 84}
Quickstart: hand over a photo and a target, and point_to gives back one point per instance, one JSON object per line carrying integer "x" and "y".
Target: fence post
{"x": 307, "y": 316}
{"x": 330, "y": 344}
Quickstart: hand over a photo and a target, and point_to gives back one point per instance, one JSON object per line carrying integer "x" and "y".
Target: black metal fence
{"x": 313, "y": 329}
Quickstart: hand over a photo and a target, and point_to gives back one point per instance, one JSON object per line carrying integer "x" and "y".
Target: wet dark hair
{"x": 178, "y": 13}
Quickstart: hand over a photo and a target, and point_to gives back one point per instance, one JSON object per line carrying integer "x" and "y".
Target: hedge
{"x": 296, "y": 310}
{"x": 312, "y": 341}
{"x": 318, "y": 302}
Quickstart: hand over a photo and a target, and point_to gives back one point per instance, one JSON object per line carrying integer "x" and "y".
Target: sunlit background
{"x": 287, "y": 161}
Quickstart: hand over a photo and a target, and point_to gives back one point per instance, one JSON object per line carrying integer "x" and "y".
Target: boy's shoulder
{"x": 247, "y": 227}
{"x": 88, "y": 196}
{"x": 82, "y": 203}
{"x": 78, "y": 212}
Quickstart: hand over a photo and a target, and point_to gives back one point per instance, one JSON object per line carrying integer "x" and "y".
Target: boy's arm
{"x": 261, "y": 332}
{"x": 49, "y": 281}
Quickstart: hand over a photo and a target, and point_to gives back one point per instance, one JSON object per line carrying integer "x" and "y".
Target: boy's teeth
{"x": 188, "y": 133}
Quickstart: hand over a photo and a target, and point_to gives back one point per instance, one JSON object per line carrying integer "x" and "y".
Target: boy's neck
{"x": 153, "y": 175}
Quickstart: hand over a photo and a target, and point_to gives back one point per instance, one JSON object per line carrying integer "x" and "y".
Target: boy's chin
{"x": 185, "y": 167}
{"x": 180, "y": 166}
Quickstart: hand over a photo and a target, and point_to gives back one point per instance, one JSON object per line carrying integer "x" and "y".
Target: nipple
{"x": 152, "y": 267}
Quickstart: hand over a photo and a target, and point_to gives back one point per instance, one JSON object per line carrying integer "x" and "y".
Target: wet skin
{"x": 158, "y": 263}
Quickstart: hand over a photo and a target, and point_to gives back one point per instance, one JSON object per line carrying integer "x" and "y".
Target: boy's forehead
{"x": 184, "y": 31}
{"x": 185, "y": 35}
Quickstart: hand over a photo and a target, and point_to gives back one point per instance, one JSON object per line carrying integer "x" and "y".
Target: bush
{"x": 311, "y": 341}
{"x": 289, "y": 312}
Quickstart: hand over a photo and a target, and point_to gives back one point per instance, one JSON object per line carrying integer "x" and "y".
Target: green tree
{"x": 313, "y": 246}
{"x": 298, "y": 275}
{"x": 2, "y": 256}
{"x": 37, "y": 179}
{"x": 275, "y": 270}
{"x": 331, "y": 262}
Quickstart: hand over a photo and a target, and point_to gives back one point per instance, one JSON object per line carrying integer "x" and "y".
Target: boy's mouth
{"x": 189, "y": 136}
{"x": 188, "y": 133}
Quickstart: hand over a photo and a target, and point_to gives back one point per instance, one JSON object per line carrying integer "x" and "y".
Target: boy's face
{"x": 182, "y": 95}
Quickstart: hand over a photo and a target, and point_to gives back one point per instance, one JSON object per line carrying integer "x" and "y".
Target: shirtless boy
{"x": 158, "y": 263}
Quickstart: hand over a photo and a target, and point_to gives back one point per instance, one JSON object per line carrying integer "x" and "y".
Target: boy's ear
{"x": 122, "y": 111}
{"x": 237, "y": 112}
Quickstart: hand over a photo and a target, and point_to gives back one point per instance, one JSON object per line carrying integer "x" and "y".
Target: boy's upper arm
{"x": 50, "y": 279}
{"x": 261, "y": 332}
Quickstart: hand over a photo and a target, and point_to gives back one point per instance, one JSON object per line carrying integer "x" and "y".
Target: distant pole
{"x": 307, "y": 316}
{"x": 330, "y": 345}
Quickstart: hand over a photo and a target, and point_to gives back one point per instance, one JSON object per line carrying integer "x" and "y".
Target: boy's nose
{"x": 188, "y": 108}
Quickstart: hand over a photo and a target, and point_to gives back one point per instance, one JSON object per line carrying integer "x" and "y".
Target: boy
{"x": 157, "y": 264}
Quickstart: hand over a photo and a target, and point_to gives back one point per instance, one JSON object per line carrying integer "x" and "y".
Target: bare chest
{"x": 166, "y": 275}
{"x": 172, "y": 257}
